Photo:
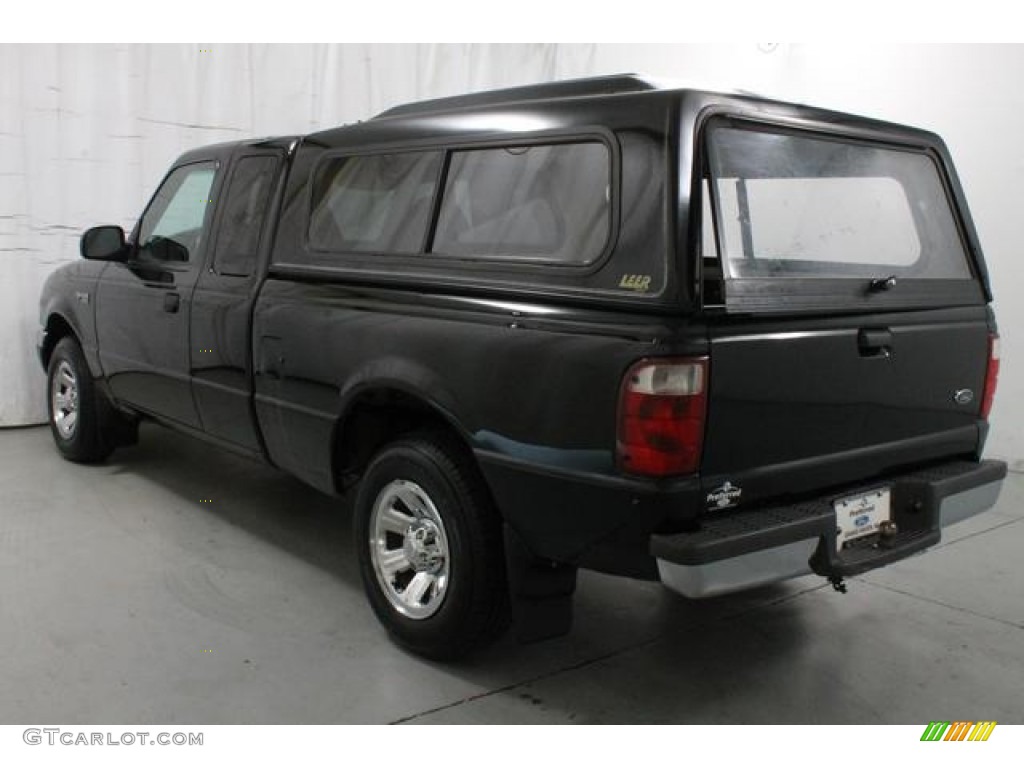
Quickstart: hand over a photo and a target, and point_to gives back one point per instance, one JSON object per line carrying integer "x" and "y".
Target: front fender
{"x": 66, "y": 305}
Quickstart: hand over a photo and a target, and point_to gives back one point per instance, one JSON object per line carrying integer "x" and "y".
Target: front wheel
{"x": 430, "y": 551}
{"x": 78, "y": 416}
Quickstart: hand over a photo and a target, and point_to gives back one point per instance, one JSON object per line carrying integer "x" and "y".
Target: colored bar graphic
{"x": 960, "y": 730}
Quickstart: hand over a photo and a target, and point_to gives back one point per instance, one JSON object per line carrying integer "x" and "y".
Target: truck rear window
{"x": 797, "y": 206}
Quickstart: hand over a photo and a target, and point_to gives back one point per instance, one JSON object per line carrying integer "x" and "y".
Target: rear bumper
{"x": 761, "y": 546}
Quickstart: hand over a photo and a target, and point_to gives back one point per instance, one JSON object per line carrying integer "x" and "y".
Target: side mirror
{"x": 104, "y": 243}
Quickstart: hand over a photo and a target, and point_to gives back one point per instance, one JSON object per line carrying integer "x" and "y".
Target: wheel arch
{"x": 57, "y": 327}
{"x": 380, "y": 411}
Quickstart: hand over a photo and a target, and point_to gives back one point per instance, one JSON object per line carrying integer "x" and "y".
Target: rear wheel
{"x": 79, "y": 418}
{"x": 430, "y": 549}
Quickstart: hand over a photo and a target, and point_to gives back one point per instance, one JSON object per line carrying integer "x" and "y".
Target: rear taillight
{"x": 991, "y": 375}
{"x": 661, "y": 416}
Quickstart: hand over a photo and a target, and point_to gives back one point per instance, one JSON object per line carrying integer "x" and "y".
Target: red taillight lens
{"x": 991, "y": 375}
{"x": 661, "y": 416}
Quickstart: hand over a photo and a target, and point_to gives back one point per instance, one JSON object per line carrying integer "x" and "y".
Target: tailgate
{"x": 817, "y": 403}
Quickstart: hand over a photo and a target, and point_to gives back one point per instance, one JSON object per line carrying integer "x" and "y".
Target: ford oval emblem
{"x": 963, "y": 396}
{"x": 861, "y": 521}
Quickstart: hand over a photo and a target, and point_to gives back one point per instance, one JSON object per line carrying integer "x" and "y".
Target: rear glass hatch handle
{"x": 880, "y": 284}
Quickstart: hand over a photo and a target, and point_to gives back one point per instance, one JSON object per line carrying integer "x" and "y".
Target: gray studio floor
{"x": 125, "y": 598}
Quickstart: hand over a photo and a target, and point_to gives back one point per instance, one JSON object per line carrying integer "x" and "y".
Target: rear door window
{"x": 244, "y": 215}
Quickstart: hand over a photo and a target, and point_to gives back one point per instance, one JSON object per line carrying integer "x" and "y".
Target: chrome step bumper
{"x": 755, "y": 547}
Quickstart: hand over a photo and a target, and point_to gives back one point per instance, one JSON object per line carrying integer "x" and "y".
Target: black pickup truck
{"x": 710, "y": 339}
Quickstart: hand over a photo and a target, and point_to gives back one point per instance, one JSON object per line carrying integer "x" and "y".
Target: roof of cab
{"x": 224, "y": 148}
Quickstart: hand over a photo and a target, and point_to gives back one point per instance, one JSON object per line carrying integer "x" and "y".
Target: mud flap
{"x": 541, "y": 592}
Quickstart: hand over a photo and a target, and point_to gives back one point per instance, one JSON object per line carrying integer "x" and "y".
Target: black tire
{"x": 87, "y": 439}
{"x": 473, "y": 608}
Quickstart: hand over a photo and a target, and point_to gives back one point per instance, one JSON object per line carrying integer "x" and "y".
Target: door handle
{"x": 172, "y": 302}
{"x": 874, "y": 342}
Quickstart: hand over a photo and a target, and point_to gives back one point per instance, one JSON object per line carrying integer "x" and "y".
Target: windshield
{"x": 793, "y": 206}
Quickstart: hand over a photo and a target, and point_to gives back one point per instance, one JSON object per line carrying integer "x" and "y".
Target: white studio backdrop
{"x": 87, "y": 131}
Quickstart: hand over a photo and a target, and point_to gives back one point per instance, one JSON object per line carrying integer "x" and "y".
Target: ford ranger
{"x": 707, "y": 339}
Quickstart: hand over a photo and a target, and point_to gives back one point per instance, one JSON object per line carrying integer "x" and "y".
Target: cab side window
{"x": 172, "y": 227}
{"x": 244, "y": 215}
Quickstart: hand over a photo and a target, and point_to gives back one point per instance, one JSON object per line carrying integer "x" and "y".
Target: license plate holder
{"x": 861, "y": 515}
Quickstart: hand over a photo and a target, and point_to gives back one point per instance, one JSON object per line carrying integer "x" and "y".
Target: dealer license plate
{"x": 861, "y": 515}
